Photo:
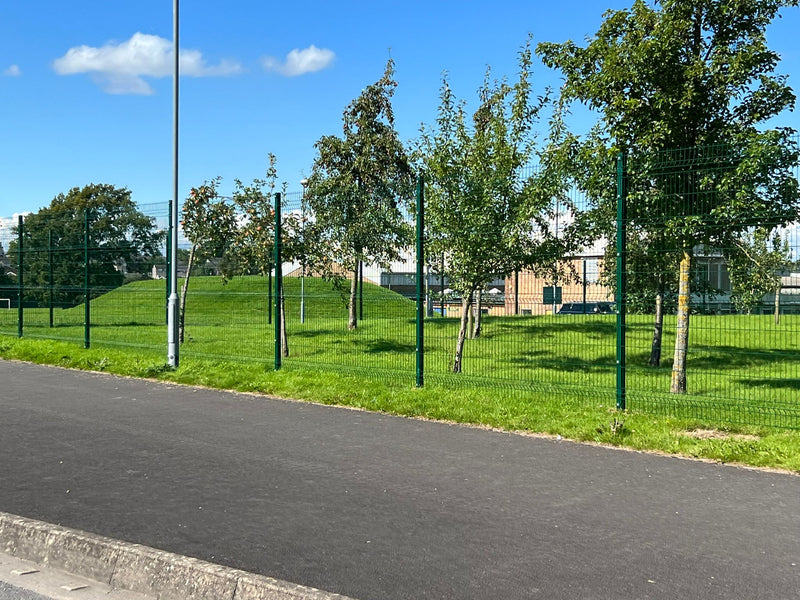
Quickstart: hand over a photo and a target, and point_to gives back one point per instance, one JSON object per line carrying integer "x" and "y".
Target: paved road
{"x": 12, "y": 592}
{"x": 377, "y": 507}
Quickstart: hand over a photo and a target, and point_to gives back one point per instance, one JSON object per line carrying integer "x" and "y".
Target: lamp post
{"x": 304, "y": 183}
{"x": 172, "y": 305}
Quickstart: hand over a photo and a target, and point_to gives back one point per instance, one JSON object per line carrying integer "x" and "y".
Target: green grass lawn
{"x": 539, "y": 373}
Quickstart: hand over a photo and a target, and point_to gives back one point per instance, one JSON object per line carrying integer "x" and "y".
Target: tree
{"x": 208, "y": 223}
{"x": 253, "y": 243}
{"x": 358, "y": 187}
{"x": 652, "y": 280}
{"x": 689, "y": 82}
{"x": 118, "y": 233}
{"x": 486, "y": 215}
{"x": 755, "y": 262}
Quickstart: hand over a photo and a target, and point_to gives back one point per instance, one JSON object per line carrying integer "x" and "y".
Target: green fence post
{"x": 20, "y": 282}
{"x": 420, "y": 282}
{"x": 86, "y": 308}
{"x": 621, "y": 291}
{"x": 50, "y": 271}
{"x": 269, "y": 295}
{"x": 360, "y": 290}
{"x": 277, "y": 281}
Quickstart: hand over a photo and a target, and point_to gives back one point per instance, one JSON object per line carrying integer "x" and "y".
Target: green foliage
{"x": 207, "y": 221}
{"x": 118, "y": 234}
{"x": 683, "y": 88}
{"x": 669, "y": 79}
{"x": 484, "y": 214}
{"x": 251, "y": 248}
{"x": 359, "y": 186}
{"x": 756, "y": 260}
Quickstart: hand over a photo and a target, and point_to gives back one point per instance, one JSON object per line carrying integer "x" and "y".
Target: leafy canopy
{"x": 361, "y": 182}
{"x": 119, "y": 234}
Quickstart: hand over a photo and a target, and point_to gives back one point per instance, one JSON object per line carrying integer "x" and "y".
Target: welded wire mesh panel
{"x": 227, "y": 318}
{"x": 8, "y": 282}
{"x": 712, "y": 251}
{"x": 343, "y": 310}
{"x": 87, "y": 275}
{"x": 549, "y": 326}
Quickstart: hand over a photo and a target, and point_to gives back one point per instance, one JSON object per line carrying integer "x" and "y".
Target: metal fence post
{"x": 277, "y": 299}
{"x": 360, "y": 290}
{"x": 420, "y": 287}
{"x": 50, "y": 282}
{"x": 20, "y": 282}
{"x": 86, "y": 313}
{"x": 621, "y": 291}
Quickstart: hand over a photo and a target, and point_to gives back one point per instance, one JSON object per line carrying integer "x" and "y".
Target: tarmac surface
{"x": 374, "y": 506}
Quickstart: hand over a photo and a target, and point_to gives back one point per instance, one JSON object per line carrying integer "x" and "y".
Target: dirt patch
{"x": 715, "y": 434}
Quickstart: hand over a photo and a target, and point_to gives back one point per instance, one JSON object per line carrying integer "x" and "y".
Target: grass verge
{"x": 570, "y": 415}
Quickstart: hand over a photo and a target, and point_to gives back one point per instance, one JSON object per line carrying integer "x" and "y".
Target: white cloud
{"x": 299, "y": 62}
{"x": 120, "y": 68}
{"x": 13, "y": 71}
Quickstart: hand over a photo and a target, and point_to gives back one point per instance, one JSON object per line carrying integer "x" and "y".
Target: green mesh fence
{"x": 378, "y": 335}
{"x": 95, "y": 277}
{"x": 729, "y": 215}
{"x": 727, "y": 212}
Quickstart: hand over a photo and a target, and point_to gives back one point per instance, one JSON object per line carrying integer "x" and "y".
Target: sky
{"x": 86, "y": 85}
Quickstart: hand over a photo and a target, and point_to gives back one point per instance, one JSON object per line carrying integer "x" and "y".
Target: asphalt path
{"x": 380, "y": 507}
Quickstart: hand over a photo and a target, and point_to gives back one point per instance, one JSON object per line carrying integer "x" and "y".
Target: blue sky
{"x": 86, "y": 89}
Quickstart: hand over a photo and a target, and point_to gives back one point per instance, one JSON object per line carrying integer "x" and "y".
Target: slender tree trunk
{"x": 284, "y": 337}
{"x": 658, "y": 329}
{"x": 476, "y": 331}
{"x": 682, "y": 328}
{"x": 778, "y": 303}
{"x": 466, "y": 308}
{"x": 183, "y": 293}
{"x": 352, "y": 322}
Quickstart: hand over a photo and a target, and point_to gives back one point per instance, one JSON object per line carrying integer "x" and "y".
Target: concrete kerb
{"x": 139, "y": 568}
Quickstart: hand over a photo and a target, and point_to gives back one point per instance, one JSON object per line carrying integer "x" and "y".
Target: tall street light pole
{"x": 172, "y": 305}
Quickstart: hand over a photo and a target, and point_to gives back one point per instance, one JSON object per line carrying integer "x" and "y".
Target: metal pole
{"x": 172, "y": 305}
{"x": 304, "y": 183}
{"x": 516, "y": 292}
{"x": 269, "y": 295}
{"x": 277, "y": 281}
{"x": 20, "y": 282}
{"x": 441, "y": 286}
{"x": 50, "y": 271}
{"x": 360, "y": 290}
{"x": 167, "y": 268}
{"x": 621, "y": 281}
{"x": 420, "y": 289}
{"x": 584, "y": 286}
{"x": 86, "y": 310}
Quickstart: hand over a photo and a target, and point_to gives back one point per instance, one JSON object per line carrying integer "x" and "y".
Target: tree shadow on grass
{"x": 731, "y": 358}
{"x": 378, "y": 346}
{"x": 545, "y": 359}
{"x": 773, "y": 383}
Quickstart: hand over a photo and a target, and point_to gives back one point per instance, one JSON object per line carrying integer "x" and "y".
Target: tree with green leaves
{"x": 252, "y": 247}
{"x": 118, "y": 233}
{"x": 683, "y": 88}
{"x": 486, "y": 215}
{"x": 756, "y": 260}
{"x": 208, "y": 223}
{"x": 359, "y": 186}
